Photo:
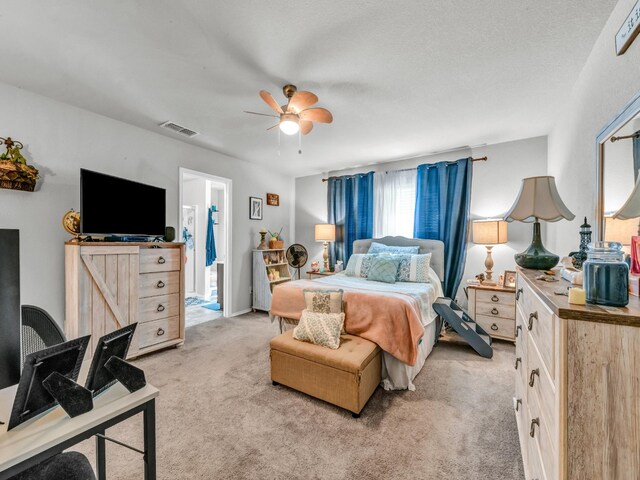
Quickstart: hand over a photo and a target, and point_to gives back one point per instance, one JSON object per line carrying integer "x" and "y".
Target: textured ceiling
{"x": 401, "y": 78}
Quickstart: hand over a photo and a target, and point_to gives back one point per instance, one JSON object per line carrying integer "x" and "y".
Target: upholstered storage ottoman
{"x": 346, "y": 377}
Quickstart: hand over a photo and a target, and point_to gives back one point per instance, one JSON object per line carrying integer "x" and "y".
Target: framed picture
{"x": 273, "y": 199}
{"x": 509, "y": 279}
{"x": 255, "y": 208}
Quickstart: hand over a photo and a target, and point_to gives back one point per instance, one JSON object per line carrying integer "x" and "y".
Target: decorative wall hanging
{"x": 15, "y": 174}
{"x": 255, "y": 208}
{"x": 629, "y": 30}
{"x": 273, "y": 199}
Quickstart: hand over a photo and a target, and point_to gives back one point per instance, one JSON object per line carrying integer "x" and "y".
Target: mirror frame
{"x": 630, "y": 110}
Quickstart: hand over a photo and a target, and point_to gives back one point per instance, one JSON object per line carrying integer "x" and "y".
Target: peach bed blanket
{"x": 390, "y": 319}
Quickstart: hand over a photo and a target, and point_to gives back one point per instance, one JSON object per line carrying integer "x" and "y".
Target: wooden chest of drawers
{"x": 110, "y": 285}
{"x": 577, "y": 389}
{"x": 493, "y": 308}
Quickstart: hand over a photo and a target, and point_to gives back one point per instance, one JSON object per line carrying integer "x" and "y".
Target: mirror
{"x": 617, "y": 173}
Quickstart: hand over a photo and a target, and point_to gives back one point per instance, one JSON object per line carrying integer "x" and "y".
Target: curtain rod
{"x": 624, "y": 137}
{"x": 480, "y": 159}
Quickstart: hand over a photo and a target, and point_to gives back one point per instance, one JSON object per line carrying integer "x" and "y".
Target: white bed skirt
{"x": 396, "y": 375}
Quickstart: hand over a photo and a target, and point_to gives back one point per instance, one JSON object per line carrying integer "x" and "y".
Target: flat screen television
{"x": 116, "y": 206}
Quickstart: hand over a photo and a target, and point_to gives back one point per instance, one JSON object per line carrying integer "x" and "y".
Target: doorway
{"x": 205, "y": 228}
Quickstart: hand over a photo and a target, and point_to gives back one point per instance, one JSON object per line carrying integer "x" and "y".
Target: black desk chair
{"x": 39, "y": 330}
{"x": 64, "y": 466}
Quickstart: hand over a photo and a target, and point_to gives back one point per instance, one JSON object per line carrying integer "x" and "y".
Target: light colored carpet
{"x": 219, "y": 417}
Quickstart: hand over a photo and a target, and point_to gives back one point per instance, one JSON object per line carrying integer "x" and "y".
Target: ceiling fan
{"x": 295, "y": 116}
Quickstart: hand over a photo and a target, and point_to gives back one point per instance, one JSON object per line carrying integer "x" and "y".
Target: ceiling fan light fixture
{"x": 289, "y": 124}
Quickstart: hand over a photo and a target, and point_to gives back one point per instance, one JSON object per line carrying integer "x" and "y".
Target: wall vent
{"x": 174, "y": 127}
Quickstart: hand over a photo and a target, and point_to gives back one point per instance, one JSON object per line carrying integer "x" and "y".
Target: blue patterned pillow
{"x": 359, "y": 265}
{"x": 383, "y": 269}
{"x": 413, "y": 268}
{"x": 380, "y": 248}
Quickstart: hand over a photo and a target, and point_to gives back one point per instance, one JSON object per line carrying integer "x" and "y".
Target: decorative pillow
{"x": 384, "y": 269}
{"x": 323, "y": 301}
{"x": 359, "y": 265}
{"x": 320, "y": 328}
{"x": 381, "y": 248}
{"x": 413, "y": 268}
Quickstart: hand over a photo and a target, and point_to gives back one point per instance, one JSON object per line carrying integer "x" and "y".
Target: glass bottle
{"x": 606, "y": 275}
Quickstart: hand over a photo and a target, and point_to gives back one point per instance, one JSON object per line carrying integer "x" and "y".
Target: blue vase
{"x": 606, "y": 275}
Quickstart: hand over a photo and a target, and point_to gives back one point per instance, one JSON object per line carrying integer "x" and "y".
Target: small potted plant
{"x": 15, "y": 174}
{"x": 276, "y": 240}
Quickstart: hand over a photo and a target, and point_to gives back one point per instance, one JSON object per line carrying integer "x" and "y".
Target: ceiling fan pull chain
{"x": 299, "y": 142}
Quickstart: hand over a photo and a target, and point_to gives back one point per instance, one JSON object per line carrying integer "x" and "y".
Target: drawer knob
{"x": 161, "y": 260}
{"x": 518, "y": 329}
{"x": 494, "y": 311}
{"x": 531, "y": 317}
{"x": 518, "y": 360}
{"x": 494, "y": 327}
{"x": 160, "y": 308}
{"x": 518, "y": 293}
{"x": 518, "y": 403}
{"x": 495, "y": 298}
{"x": 160, "y": 284}
{"x": 160, "y": 332}
{"x": 534, "y": 422}
{"x": 532, "y": 376}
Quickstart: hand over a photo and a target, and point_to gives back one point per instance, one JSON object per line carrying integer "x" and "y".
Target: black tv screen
{"x": 116, "y": 206}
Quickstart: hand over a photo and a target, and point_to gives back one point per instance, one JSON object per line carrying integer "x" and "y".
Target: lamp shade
{"x": 489, "y": 232}
{"x": 618, "y": 230}
{"x": 325, "y": 232}
{"x": 538, "y": 199}
{"x": 631, "y": 208}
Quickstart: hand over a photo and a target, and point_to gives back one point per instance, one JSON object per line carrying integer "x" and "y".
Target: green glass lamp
{"x": 537, "y": 200}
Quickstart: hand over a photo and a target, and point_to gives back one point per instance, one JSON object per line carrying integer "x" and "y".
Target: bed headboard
{"x": 434, "y": 247}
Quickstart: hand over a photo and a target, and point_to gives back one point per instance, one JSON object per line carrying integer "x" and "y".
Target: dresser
{"x": 494, "y": 309}
{"x": 577, "y": 385}
{"x": 111, "y": 284}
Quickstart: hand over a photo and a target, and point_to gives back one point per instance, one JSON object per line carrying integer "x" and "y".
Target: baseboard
{"x": 241, "y": 312}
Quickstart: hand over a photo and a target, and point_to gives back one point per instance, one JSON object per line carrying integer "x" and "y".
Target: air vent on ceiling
{"x": 174, "y": 127}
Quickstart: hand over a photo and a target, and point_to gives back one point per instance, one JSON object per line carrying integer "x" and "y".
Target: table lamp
{"x": 619, "y": 230}
{"x": 325, "y": 232}
{"x": 489, "y": 233}
{"x": 537, "y": 200}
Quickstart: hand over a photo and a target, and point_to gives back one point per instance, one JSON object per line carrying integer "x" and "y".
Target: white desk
{"x": 53, "y": 432}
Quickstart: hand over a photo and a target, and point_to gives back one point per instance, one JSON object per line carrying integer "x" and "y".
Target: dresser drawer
{"x": 540, "y": 322}
{"x": 540, "y": 388}
{"x": 158, "y": 331}
{"x": 161, "y": 306}
{"x": 496, "y": 310}
{"x": 487, "y": 296}
{"x": 521, "y": 352}
{"x": 542, "y": 437}
{"x": 162, "y": 283}
{"x": 497, "y": 327}
{"x": 534, "y": 462}
{"x": 159, "y": 260}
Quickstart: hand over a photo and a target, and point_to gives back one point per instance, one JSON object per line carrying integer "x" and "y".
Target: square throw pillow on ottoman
{"x": 320, "y": 328}
{"x": 323, "y": 300}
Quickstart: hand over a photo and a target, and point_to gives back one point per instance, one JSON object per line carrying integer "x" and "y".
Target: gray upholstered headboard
{"x": 434, "y": 247}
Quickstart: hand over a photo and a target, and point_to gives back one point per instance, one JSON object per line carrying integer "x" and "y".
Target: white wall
{"x": 605, "y": 85}
{"x": 60, "y": 139}
{"x": 495, "y": 186}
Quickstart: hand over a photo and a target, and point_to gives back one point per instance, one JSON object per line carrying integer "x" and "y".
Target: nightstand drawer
{"x": 496, "y": 310}
{"x": 493, "y": 297}
{"x": 497, "y": 327}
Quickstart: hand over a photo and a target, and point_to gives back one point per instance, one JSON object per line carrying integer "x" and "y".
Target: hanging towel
{"x": 211, "y": 242}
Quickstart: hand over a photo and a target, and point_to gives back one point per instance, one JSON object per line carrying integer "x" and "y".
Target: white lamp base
{"x": 325, "y": 256}
{"x": 488, "y": 264}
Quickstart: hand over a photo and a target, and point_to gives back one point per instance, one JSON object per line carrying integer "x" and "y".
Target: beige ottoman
{"x": 346, "y": 377}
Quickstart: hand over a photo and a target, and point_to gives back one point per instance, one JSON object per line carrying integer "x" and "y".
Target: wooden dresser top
{"x": 559, "y": 304}
{"x": 125, "y": 244}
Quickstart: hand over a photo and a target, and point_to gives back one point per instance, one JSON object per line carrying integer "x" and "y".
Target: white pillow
{"x": 414, "y": 268}
{"x": 320, "y": 328}
{"x": 359, "y": 265}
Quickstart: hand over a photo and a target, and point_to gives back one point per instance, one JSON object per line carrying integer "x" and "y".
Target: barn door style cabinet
{"x": 111, "y": 284}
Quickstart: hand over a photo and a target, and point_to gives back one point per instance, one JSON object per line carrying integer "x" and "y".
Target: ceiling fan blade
{"x": 263, "y": 114}
{"x": 305, "y": 126}
{"x": 321, "y": 115}
{"x": 269, "y": 100}
{"x": 301, "y": 100}
{"x": 276, "y": 125}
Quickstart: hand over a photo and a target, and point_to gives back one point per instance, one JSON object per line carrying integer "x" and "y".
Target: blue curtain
{"x": 350, "y": 207}
{"x": 211, "y": 242}
{"x": 443, "y": 198}
{"x": 636, "y": 156}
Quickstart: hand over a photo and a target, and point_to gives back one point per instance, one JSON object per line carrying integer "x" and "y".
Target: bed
{"x": 400, "y": 314}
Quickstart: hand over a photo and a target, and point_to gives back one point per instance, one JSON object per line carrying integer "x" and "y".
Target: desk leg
{"x": 101, "y": 460}
{"x": 150, "y": 440}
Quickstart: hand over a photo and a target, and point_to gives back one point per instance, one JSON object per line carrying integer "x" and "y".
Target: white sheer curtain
{"x": 394, "y": 196}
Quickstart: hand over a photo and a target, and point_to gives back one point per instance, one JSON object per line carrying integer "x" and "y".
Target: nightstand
{"x": 310, "y": 274}
{"x": 494, "y": 309}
